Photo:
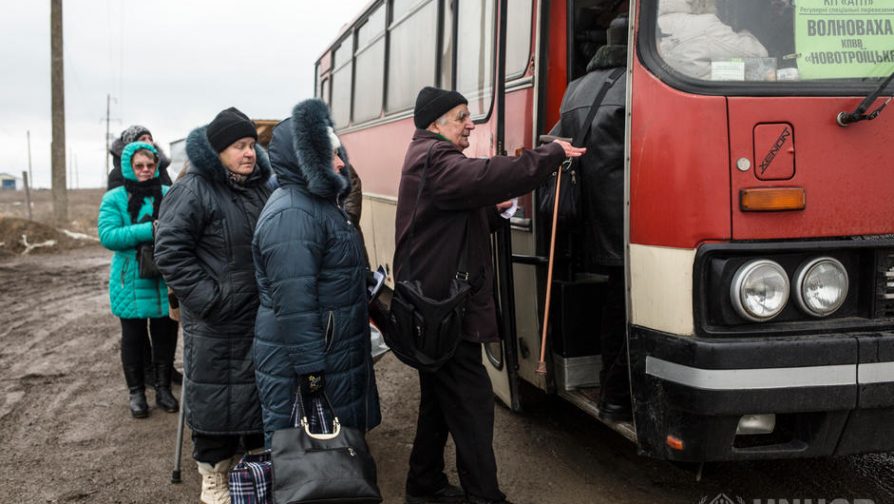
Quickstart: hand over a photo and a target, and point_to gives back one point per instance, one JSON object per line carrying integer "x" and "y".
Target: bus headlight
{"x": 821, "y": 286}
{"x": 759, "y": 290}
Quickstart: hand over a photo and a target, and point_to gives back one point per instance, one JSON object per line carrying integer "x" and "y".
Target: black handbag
{"x": 146, "y": 260}
{"x": 570, "y": 195}
{"x": 424, "y": 332}
{"x": 310, "y": 468}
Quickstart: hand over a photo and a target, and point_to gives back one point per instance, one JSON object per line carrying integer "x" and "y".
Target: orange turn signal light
{"x": 674, "y": 442}
{"x": 772, "y": 199}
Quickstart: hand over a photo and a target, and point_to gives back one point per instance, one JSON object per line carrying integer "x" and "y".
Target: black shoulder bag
{"x": 313, "y": 468}
{"x": 424, "y": 332}
{"x": 146, "y": 260}
{"x": 570, "y": 196}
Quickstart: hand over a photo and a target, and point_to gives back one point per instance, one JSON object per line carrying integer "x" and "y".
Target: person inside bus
{"x": 692, "y": 37}
{"x": 457, "y": 399}
{"x": 601, "y": 169}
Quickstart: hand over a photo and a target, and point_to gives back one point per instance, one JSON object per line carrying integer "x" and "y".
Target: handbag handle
{"x": 336, "y": 429}
{"x": 298, "y": 407}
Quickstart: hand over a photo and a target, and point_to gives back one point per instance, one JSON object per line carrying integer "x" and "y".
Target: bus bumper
{"x": 829, "y": 394}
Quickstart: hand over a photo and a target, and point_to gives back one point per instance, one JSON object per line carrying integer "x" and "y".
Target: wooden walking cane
{"x": 541, "y": 365}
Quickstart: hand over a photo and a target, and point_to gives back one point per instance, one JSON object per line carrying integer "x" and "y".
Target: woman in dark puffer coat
{"x": 203, "y": 249}
{"x": 312, "y": 327}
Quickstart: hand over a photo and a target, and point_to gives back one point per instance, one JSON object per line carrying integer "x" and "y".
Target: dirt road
{"x": 68, "y": 436}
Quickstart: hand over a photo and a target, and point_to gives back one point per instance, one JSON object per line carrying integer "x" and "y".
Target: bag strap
{"x": 588, "y": 122}
{"x": 462, "y": 271}
{"x": 298, "y": 412}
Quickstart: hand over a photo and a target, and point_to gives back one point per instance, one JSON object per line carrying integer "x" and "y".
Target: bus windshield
{"x": 777, "y": 40}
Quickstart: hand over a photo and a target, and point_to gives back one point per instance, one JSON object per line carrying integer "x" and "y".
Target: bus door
{"x": 568, "y": 34}
{"x": 513, "y": 43}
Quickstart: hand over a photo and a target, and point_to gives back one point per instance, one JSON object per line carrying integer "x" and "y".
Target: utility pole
{"x": 30, "y": 174}
{"x": 70, "y": 178}
{"x": 60, "y": 193}
{"x": 108, "y": 106}
{"x": 27, "y": 194}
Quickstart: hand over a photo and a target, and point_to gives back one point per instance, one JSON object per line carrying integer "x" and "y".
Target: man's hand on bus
{"x": 570, "y": 150}
{"x": 504, "y": 205}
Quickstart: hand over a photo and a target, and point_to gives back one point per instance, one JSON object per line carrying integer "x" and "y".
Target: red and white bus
{"x": 759, "y": 221}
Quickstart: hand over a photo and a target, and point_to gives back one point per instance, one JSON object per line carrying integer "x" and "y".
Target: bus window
{"x": 370, "y": 67}
{"x": 411, "y": 51}
{"x": 518, "y": 38}
{"x": 324, "y": 91}
{"x": 475, "y": 44}
{"x": 341, "y": 85}
{"x": 770, "y": 40}
{"x": 446, "y": 78}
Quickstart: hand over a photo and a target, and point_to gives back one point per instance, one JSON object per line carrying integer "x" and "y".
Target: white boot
{"x": 215, "y": 485}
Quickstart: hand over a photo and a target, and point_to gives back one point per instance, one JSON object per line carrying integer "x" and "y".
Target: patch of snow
{"x": 78, "y": 236}
{"x": 29, "y": 247}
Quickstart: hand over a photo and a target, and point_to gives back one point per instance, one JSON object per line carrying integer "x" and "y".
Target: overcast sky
{"x": 169, "y": 65}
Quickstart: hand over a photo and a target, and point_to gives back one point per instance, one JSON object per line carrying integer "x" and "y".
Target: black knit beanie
{"x": 227, "y": 127}
{"x": 432, "y": 103}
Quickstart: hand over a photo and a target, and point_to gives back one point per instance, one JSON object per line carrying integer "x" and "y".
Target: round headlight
{"x": 821, "y": 286}
{"x": 759, "y": 290}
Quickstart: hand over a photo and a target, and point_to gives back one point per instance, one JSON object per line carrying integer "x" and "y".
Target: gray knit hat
{"x": 133, "y": 133}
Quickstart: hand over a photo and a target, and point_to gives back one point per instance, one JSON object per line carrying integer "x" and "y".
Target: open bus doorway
{"x": 587, "y": 293}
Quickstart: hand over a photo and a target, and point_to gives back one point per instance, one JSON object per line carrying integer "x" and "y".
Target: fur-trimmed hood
{"x": 204, "y": 161}
{"x": 608, "y": 56}
{"x": 301, "y": 151}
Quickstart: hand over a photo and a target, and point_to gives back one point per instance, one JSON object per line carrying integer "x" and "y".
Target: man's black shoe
{"x": 611, "y": 411}
{"x": 448, "y": 494}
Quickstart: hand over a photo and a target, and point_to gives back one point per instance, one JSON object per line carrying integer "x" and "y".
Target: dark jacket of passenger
{"x": 601, "y": 169}
{"x": 116, "y": 179}
{"x": 203, "y": 249}
{"x": 458, "y": 188}
{"x": 311, "y": 275}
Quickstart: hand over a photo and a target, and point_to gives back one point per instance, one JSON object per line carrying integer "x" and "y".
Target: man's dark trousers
{"x": 458, "y": 399}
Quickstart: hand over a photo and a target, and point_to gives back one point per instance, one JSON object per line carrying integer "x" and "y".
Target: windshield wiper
{"x": 859, "y": 114}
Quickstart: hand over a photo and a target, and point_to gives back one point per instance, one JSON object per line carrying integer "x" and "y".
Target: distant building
{"x": 8, "y": 182}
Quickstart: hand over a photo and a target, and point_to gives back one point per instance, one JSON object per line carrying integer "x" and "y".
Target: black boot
{"x": 163, "y": 397}
{"x": 139, "y": 408}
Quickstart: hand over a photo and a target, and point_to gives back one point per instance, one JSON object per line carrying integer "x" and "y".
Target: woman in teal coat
{"x": 126, "y": 218}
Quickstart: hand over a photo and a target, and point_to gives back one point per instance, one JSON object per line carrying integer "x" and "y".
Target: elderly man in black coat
{"x": 457, "y": 398}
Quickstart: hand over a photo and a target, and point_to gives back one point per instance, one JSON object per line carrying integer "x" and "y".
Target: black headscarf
{"x": 138, "y": 191}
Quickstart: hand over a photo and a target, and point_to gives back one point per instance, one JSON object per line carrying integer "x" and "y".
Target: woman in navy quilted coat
{"x": 312, "y": 328}
{"x": 125, "y": 222}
